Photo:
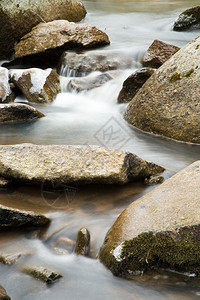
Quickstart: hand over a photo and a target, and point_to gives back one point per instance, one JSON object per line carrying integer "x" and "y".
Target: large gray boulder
{"x": 17, "y": 18}
{"x": 74, "y": 64}
{"x": 49, "y": 40}
{"x": 14, "y": 113}
{"x": 188, "y": 20}
{"x": 39, "y": 86}
{"x": 161, "y": 229}
{"x": 169, "y": 102}
{"x": 65, "y": 164}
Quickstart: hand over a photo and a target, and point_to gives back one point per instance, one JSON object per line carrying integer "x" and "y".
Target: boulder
{"x": 158, "y": 53}
{"x": 17, "y": 18}
{"x": 88, "y": 83}
{"x": 39, "y": 86}
{"x": 83, "y": 242}
{"x": 74, "y": 64}
{"x": 6, "y": 94}
{"x": 64, "y": 164}
{"x": 159, "y": 230}
{"x": 3, "y": 294}
{"x": 14, "y": 113}
{"x": 13, "y": 218}
{"x": 188, "y": 20}
{"x": 42, "y": 273}
{"x": 169, "y": 102}
{"x": 47, "y": 41}
{"x": 133, "y": 83}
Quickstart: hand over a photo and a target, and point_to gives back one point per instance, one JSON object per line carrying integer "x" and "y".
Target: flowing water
{"x": 83, "y": 119}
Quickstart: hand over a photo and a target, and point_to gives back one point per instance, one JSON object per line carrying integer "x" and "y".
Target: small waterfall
{"x": 67, "y": 72}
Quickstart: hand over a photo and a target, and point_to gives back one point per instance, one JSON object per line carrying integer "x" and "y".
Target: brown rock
{"x": 3, "y": 294}
{"x": 169, "y": 102}
{"x": 73, "y": 64}
{"x": 14, "y": 113}
{"x": 42, "y": 274}
{"x": 64, "y": 164}
{"x": 83, "y": 242}
{"x": 133, "y": 83}
{"x": 161, "y": 229}
{"x": 52, "y": 38}
{"x": 17, "y": 18}
{"x": 158, "y": 53}
{"x": 39, "y": 86}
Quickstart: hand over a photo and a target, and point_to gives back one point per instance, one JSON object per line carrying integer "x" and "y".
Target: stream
{"x": 81, "y": 119}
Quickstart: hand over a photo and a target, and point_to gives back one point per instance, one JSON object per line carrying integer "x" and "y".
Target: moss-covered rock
{"x": 188, "y": 20}
{"x": 169, "y": 102}
{"x": 17, "y": 18}
{"x": 42, "y": 273}
{"x": 161, "y": 229}
{"x": 3, "y": 294}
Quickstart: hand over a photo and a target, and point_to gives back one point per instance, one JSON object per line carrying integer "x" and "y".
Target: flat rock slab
{"x": 169, "y": 102}
{"x": 82, "y": 64}
{"x": 11, "y": 217}
{"x": 39, "y": 86}
{"x": 188, "y": 20}
{"x": 66, "y": 164}
{"x": 158, "y": 53}
{"x": 161, "y": 229}
{"x": 54, "y": 37}
{"x": 14, "y": 113}
{"x": 17, "y": 18}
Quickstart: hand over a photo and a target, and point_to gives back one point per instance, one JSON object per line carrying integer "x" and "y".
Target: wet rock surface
{"x": 42, "y": 274}
{"x": 39, "y": 164}
{"x": 52, "y": 38}
{"x": 133, "y": 83}
{"x": 14, "y": 113}
{"x": 188, "y": 20}
{"x": 3, "y": 294}
{"x": 158, "y": 53}
{"x": 161, "y": 229}
{"x": 83, "y": 242}
{"x": 161, "y": 106}
{"x": 4, "y": 183}
{"x": 13, "y": 218}
{"x": 88, "y": 83}
{"x": 39, "y": 86}
{"x": 17, "y": 18}
{"x": 92, "y": 61}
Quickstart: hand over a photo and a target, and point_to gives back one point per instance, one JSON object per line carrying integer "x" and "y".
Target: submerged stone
{"x": 64, "y": 164}
{"x": 169, "y": 102}
{"x": 161, "y": 229}
{"x": 188, "y": 20}
{"x": 83, "y": 242}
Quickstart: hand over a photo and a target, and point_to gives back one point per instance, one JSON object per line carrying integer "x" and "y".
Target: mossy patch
{"x": 180, "y": 251}
{"x": 174, "y": 77}
{"x": 187, "y": 74}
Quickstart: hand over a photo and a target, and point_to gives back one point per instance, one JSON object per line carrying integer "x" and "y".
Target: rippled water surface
{"x": 79, "y": 119}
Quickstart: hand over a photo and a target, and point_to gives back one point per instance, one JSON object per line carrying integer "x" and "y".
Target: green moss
{"x": 174, "y": 77}
{"x": 197, "y": 47}
{"x": 180, "y": 251}
{"x": 187, "y": 74}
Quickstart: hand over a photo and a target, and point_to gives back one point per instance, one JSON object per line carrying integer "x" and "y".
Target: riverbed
{"x": 82, "y": 119}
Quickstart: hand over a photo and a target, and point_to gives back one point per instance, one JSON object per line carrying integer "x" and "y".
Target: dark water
{"x": 80, "y": 119}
